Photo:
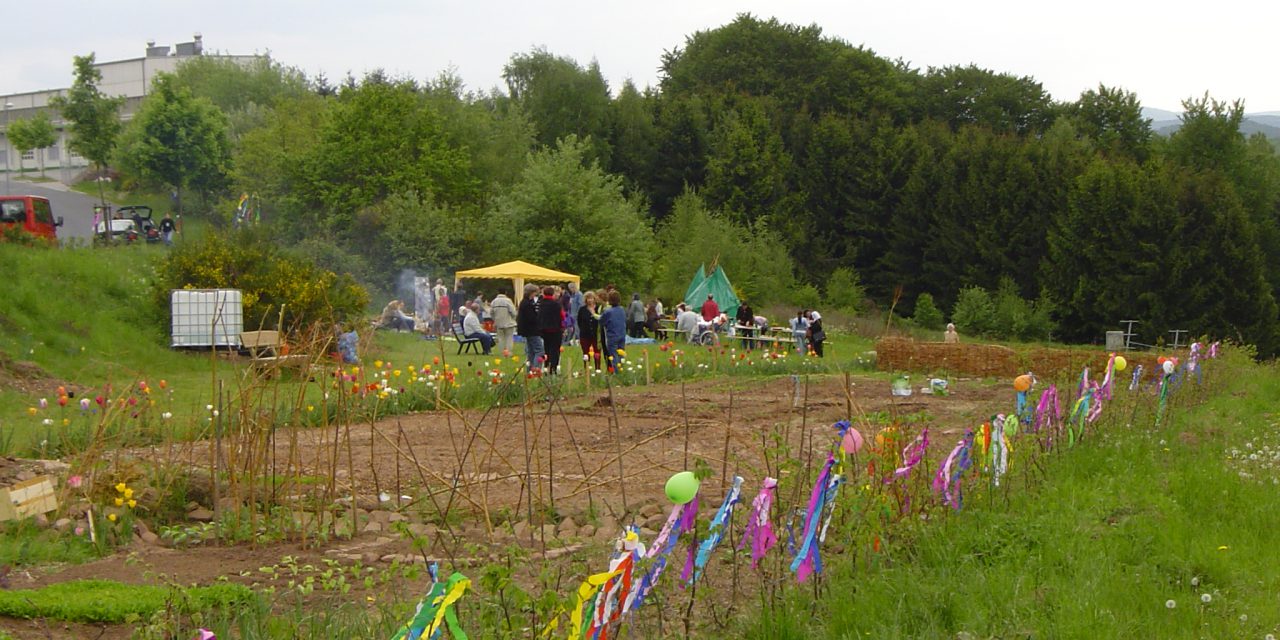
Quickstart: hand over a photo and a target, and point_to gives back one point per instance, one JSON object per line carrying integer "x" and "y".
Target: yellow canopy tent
{"x": 518, "y": 272}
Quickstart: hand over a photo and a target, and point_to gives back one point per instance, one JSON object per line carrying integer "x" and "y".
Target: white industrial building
{"x": 130, "y": 79}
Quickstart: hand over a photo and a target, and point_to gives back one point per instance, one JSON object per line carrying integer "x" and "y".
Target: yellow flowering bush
{"x": 268, "y": 277}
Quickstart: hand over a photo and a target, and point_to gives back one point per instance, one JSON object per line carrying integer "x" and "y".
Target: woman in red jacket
{"x": 551, "y": 322}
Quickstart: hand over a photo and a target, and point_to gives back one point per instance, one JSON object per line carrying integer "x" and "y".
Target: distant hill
{"x": 1265, "y": 122}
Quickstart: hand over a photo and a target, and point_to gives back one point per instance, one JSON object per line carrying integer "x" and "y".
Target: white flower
{"x": 1206, "y": 598}
{"x": 166, "y": 415}
{"x": 1169, "y": 604}
{"x": 1195, "y": 581}
{"x": 47, "y": 421}
{"x": 208, "y": 407}
{"x": 215, "y": 413}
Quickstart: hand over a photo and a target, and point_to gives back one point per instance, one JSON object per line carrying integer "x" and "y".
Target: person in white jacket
{"x": 503, "y": 311}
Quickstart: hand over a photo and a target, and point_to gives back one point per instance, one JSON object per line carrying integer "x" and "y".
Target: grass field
{"x": 1139, "y": 532}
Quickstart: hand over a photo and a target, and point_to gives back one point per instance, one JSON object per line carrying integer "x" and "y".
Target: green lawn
{"x": 1138, "y": 532}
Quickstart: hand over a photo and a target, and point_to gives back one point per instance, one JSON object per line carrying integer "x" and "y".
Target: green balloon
{"x": 682, "y": 487}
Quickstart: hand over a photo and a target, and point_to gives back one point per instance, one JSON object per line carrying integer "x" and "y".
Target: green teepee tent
{"x": 716, "y": 284}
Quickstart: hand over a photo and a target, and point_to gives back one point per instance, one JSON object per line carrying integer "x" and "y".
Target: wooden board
{"x": 28, "y": 498}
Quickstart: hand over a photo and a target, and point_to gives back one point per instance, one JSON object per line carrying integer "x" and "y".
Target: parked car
{"x": 31, "y": 213}
{"x": 130, "y": 223}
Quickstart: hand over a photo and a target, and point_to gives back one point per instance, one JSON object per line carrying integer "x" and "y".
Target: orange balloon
{"x": 1022, "y": 383}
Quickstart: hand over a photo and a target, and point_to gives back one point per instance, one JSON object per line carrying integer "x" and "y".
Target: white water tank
{"x": 206, "y": 317}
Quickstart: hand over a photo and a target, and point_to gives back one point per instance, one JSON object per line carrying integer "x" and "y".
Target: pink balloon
{"x": 852, "y": 441}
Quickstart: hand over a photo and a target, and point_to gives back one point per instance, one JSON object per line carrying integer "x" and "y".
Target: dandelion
{"x": 48, "y": 422}
{"x": 66, "y": 422}
{"x": 31, "y": 411}
{"x": 133, "y": 503}
{"x": 166, "y": 415}
{"x": 111, "y": 517}
{"x": 377, "y": 364}
{"x": 1195, "y": 581}
{"x": 128, "y": 493}
{"x": 120, "y": 487}
{"x": 1169, "y": 604}
{"x": 119, "y": 502}
{"x": 1206, "y": 598}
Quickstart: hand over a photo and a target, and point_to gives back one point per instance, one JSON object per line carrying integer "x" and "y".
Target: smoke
{"x": 405, "y": 290}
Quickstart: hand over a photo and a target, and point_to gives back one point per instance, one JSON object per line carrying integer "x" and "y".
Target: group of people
{"x": 548, "y": 317}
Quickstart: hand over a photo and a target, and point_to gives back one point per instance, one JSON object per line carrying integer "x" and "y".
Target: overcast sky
{"x": 1164, "y": 52}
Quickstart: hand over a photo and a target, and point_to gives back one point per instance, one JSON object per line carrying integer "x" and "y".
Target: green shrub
{"x": 927, "y": 314}
{"x": 92, "y": 601}
{"x": 1016, "y": 317}
{"x": 844, "y": 290}
{"x": 269, "y": 279}
{"x": 807, "y": 296}
{"x": 974, "y": 312}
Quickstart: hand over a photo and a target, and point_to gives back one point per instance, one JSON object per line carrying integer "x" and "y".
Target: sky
{"x": 1163, "y": 52}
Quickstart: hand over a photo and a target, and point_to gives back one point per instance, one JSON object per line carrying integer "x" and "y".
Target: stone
{"x": 647, "y": 533}
{"x": 56, "y": 467}
{"x": 549, "y": 531}
{"x": 552, "y": 554}
{"x": 422, "y": 530}
{"x": 649, "y": 510}
{"x": 567, "y": 527}
{"x": 62, "y": 524}
{"x": 24, "y": 475}
{"x": 372, "y": 527}
{"x": 369, "y": 557}
{"x": 381, "y": 516}
{"x": 397, "y": 517}
{"x": 150, "y": 538}
{"x": 228, "y": 505}
{"x": 40, "y": 520}
{"x": 521, "y": 530}
{"x": 587, "y": 531}
{"x": 201, "y": 515}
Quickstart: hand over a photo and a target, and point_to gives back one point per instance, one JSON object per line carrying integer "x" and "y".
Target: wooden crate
{"x": 28, "y": 498}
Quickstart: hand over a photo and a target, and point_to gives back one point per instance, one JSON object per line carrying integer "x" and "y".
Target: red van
{"x": 32, "y": 213}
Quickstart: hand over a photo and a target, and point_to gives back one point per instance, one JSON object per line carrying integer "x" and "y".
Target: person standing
{"x": 951, "y": 336}
{"x": 551, "y": 324}
{"x": 745, "y": 320}
{"x": 167, "y": 227}
{"x": 710, "y": 309}
{"x": 504, "y": 313}
{"x": 800, "y": 331}
{"x": 527, "y": 327}
{"x": 575, "y": 304}
{"x": 657, "y": 306}
{"x": 816, "y": 334}
{"x": 614, "y": 324}
{"x": 588, "y": 323}
{"x": 635, "y": 317}
{"x": 444, "y": 311}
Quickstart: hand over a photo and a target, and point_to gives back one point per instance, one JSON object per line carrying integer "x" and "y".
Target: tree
{"x": 177, "y": 140}
{"x": 94, "y": 118}
{"x": 844, "y": 290}
{"x": 562, "y": 98}
{"x": 971, "y": 95}
{"x": 20, "y": 138}
{"x": 233, "y": 85}
{"x": 927, "y": 314}
{"x": 747, "y": 169}
{"x": 1112, "y": 118}
{"x": 379, "y": 139}
{"x": 43, "y": 135}
{"x": 755, "y": 260}
{"x": 569, "y": 214}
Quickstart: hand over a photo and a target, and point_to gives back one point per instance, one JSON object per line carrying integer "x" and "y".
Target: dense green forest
{"x": 814, "y": 170}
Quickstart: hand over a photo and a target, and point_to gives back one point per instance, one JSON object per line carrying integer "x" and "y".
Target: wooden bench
{"x": 267, "y": 350}
{"x": 465, "y": 344}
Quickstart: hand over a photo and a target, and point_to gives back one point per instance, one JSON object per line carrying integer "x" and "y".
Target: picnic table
{"x": 773, "y": 336}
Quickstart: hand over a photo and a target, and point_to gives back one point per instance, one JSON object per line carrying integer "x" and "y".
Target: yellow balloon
{"x": 1121, "y": 363}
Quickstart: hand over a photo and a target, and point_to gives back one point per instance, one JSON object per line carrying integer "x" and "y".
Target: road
{"x": 75, "y": 208}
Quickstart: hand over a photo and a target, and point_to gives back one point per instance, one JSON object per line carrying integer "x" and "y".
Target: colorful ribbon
{"x": 681, "y": 519}
{"x": 808, "y": 560}
{"x": 759, "y": 530}
{"x": 437, "y": 610}
{"x": 947, "y": 481}
{"x": 719, "y": 525}
{"x": 999, "y": 449}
